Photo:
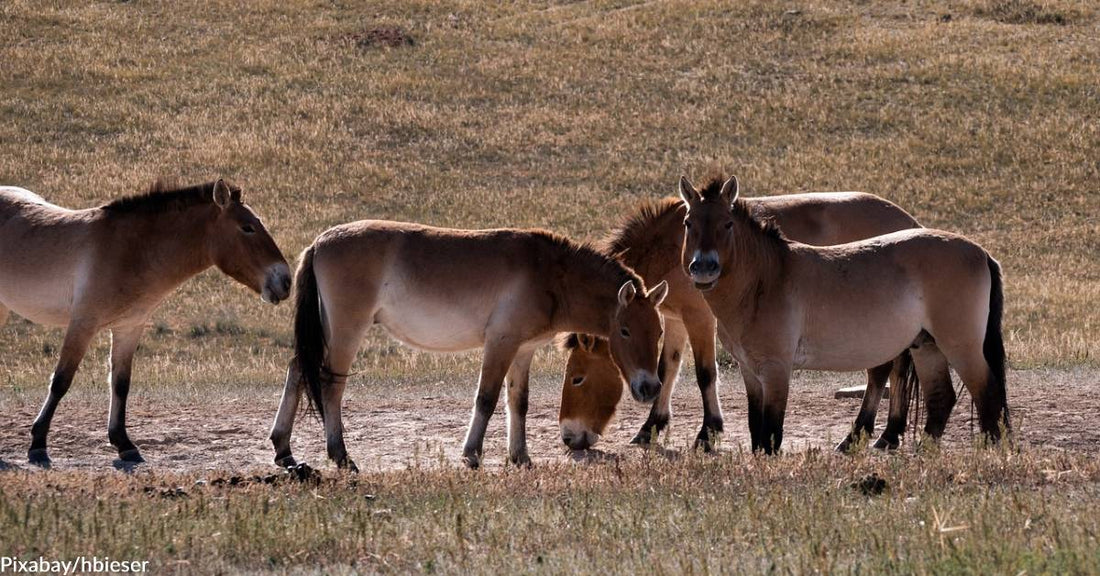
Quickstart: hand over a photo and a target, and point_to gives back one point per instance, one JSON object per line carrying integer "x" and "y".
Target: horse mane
{"x": 163, "y": 197}
{"x": 741, "y": 209}
{"x": 635, "y": 236}
{"x": 591, "y": 256}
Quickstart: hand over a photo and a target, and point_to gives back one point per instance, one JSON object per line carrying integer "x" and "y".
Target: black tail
{"x": 309, "y": 332}
{"x": 994, "y": 346}
{"x": 909, "y": 389}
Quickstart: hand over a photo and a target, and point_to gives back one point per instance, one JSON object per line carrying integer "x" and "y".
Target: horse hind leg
{"x": 77, "y": 338}
{"x": 864, "y": 425}
{"x": 939, "y": 395}
{"x": 284, "y": 419}
{"x": 494, "y": 367}
{"x": 341, "y": 355}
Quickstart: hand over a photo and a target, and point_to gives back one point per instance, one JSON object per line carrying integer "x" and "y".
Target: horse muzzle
{"x": 277, "y": 284}
{"x": 576, "y": 436}
{"x": 705, "y": 270}
{"x": 645, "y": 387}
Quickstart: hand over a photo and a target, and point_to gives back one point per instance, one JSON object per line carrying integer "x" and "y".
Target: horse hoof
{"x": 643, "y": 438}
{"x": 845, "y": 445}
{"x": 286, "y": 462}
{"x": 705, "y": 445}
{"x": 886, "y": 445}
{"x": 522, "y": 461}
{"x": 471, "y": 461}
{"x": 131, "y": 455}
{"x": 38, "y": 457}
{"x": 349, "y": 465}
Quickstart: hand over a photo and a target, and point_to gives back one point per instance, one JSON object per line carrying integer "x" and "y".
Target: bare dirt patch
{"x": 393, "y": 427}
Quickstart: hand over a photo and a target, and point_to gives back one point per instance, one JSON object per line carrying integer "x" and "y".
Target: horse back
{"x": 828, "y": 218}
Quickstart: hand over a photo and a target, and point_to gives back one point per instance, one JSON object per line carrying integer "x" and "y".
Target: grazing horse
{"x": 650, "y": 242}
{"x": 507, "y": 291}
{"x": 111, "y": 266}
{"x": 783, "y": 305}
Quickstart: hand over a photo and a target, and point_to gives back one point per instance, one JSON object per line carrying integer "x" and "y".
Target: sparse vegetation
{"x": 979, "y": 116}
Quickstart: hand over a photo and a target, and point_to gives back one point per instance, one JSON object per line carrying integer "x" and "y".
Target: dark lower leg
{"x": 713, "y": 424}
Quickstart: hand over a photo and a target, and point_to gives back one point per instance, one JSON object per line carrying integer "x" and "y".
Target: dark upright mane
{"x": 591, "y": 256}
{"x": 163, "y": 198}
{"x": 741, "y": 211}
{"x": 637, "y": 235}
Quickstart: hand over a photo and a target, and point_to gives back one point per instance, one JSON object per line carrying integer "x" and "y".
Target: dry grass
{"x": 990, "y": 512}
{"x": 979, "y": 116}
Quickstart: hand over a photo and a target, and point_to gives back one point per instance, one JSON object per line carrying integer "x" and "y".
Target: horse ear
{"x": 586, "y": 342}
{"x": 658, "y": 293}
{"x": 731, "y": 189}
{"x": 235, "y": 195}
{"x": 627, "y": 293}
{"x": 221, "y": 193}
{"x": 687, "y": 190}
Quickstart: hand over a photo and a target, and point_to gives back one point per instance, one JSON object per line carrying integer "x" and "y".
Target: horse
{"x": 507, "y": 291}
{"x": 110, "y": 267}
{"x": 650, "y": 241}
{"x": 783, "y": 305}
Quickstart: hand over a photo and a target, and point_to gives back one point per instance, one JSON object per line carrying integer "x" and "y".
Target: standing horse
{"x": 784, "y": 305}
{"x": 507, "y": 291}
{"x": 650, "y": 242}
{"x": 110, "y": 267}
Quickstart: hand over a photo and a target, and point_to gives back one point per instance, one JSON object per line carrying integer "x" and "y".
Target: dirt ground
{"x": 424, "y": 425}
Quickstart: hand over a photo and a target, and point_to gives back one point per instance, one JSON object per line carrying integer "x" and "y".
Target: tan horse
{"x": 783, "y": 305}
{"x": 109, "y": 267}
{"x": 650, "y": 242}
{"x": 507, "y": 291}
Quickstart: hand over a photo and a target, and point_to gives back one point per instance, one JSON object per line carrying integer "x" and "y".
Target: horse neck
{"x": 758, "y": 266}
{"x": 173, "y": 244}
{"x": 588, "y": 294}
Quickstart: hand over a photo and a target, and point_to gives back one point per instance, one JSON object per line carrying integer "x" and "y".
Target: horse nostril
{"x": 693, "y": 267}
{"x": 286, "y": 283}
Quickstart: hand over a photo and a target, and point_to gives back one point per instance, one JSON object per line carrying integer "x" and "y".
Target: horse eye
{"x": 578, "y": 380}
{"x": 687, "y": 224}
{"x": 625, "y": 332}
{"x": 248, "y": 229}
{"x": 729, "y": 224}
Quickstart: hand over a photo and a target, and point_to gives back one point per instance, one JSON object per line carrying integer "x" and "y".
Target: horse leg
{"x": 902, "y": 378}
{"x": 77, "y": 338}
{"x": 124, "y": 342}
{"x": 776, "y": 380}
{"x": 518, "y": 376}
{"x": 341, "y": 354}
{"x": 667, "y": 370}
{"x": 865, "y": 420}
{"x": 939, "y": 395}
{"x": 494, "y": 366}
{"x": 701, "y": 333}
{"x": 284, "y": 418}
{"x": 754, "y": 391}
{"x": 976, "y": 374}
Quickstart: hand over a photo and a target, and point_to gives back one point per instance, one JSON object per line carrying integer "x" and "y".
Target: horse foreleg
{"x": 668, "y": 369}
{"x": 77, "y": 338}
{"x": 494, "y": 367}
{"x": 124, "y": 342}
{"x": 872, "y": 396}
{"x": 518, "y": 376}
{"x": 935, "y": 381}
{"x": 284, "y": 418}
{"x": 754, "y": 393}
{"x": 701, "y": 334}
{"x": 776, "y": 381}
{"x": 901, "y": 381}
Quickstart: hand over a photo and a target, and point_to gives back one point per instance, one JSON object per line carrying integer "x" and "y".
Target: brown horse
{"x": 650, "y": 242}
{"x": 109, "y": 267}
{"x": 783, "y": 305}
{"x": 507, "y": 291}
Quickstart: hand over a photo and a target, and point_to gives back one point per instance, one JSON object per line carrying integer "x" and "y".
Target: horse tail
{"x": 309, "y": 332}
{"x": 994, "y": 347}
{"x": 908, "y": 388}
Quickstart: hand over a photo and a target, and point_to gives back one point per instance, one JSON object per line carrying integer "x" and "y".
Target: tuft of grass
{"x": 1023, "y": 12}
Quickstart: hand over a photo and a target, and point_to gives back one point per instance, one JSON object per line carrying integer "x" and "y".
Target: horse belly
{"x": 431, "y": 324}
{"x": 860, "y": 341}
{"x": 40, "y": 298}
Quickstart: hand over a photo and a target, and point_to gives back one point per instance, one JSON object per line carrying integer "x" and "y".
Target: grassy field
{"x": 978, "y": 116}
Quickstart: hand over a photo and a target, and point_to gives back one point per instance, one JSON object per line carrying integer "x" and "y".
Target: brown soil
{"x": 409, "y": 424}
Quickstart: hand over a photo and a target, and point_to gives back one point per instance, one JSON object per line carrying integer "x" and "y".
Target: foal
{"x": 507, "y": 291}
{"x": 110, "y": 267}
{"x": 650, "y": 242}
{"x": 784, "y": 305}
